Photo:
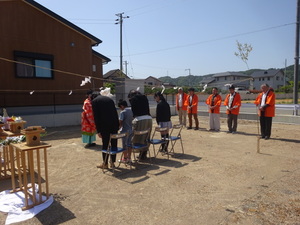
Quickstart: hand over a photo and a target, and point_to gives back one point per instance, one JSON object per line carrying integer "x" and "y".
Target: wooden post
{"x": 258, "y": 146}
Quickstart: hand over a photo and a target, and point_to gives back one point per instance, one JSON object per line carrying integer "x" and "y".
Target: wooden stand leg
{"x": 46, "y": 172}
{"x": 25, "y": 183}
{"x": 258, "y": 145}
{"x": 32, "y": 180}
{"x": 39, "y": 174}
{"x": 13, "y": 182}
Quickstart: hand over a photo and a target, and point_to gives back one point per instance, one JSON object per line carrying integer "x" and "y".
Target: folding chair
{"x": 173, "y": 138}
{"x": 158, "y": 140}
{"x": 114, "y": 150}
{"x": 140, "y": 142}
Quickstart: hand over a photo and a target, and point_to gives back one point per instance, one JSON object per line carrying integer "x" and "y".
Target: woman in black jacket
{"x": 163, "y": 117}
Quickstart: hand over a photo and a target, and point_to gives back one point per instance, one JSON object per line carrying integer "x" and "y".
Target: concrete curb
{"x": 73, "y": 119}
{"x": 252, "y": 116}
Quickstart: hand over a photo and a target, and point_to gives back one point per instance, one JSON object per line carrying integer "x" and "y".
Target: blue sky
{"x": 168, "y": 37}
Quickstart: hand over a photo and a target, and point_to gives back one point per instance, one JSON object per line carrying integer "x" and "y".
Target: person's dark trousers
{"x": 105, "y": 142}
{"x": 190, "y": 116}
{"x": 265, "y": 125}
{"x": 232, "y": 122}
{"x": 164, "y": 146}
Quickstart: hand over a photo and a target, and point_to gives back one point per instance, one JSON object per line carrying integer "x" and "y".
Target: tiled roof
{"x": 225, "y": 74}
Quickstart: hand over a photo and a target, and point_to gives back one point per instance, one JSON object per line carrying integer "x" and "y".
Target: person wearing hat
{"x": 88, "y": 127}
{"x": 191, "y": 103}
{"x": 107, "y": 123}
{"x": 214, "y": 102}
{"x": 180, "y": 106}
{"x": 233, "y": 104}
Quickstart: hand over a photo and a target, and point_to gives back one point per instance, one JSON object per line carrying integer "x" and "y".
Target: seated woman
{"x": 141, "y": 113}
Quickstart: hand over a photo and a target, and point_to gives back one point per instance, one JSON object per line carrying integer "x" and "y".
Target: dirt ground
{"x": 220, "y": 179}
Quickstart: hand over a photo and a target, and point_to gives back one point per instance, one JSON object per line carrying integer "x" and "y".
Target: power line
{"x": 212, "y": 40}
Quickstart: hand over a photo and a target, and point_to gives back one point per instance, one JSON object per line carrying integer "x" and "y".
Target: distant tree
{"x": 288, "y": 88}
{"x": 243, "y": 52}
{"x": 112, "y": 87}
{"x": 147, "y": 90}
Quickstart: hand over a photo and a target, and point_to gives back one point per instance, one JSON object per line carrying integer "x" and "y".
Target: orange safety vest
{"x": 270, "y": 101}
{"x": 194, "y": 104}
{"x": 235, "y": 102}
{"x": 217, "y": 100}
{"x": 184, "y": 96}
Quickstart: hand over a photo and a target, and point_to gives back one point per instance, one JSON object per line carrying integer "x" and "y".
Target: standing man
{"x": 191, "y": 103}
{"x": 214, "y": 102}
{"x": 233, "y": 104}
{"x": 265, "y": 102}
{"x": 107, "y": 122}
{"x": 180, "y": 106}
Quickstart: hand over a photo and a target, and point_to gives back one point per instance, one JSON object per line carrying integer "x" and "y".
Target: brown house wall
{"x": 25, "y": 28}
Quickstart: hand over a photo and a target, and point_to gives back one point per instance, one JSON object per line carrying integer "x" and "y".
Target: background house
{"x": 152, "y": 81}
{"x": 236, "y": 78}
{"x": 123, "y": 84}
{"x": 274, "y": 78}
{"x": 115, "y": 74}
{"x": 42, "y": 51}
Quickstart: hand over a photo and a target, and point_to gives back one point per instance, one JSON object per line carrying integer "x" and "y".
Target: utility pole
{"x": 120, "y": 21}
{"x": 285, "y": 62}
{"x": 296, "y": 70}
{"x": 189, "y": 76}
{"x": 126, "y": 63}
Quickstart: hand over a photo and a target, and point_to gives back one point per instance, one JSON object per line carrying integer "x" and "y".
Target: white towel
{"x": 12, "y": 204}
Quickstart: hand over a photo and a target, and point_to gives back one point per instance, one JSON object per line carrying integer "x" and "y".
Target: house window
{"x": 268, "y": 78}
{"x": 263, "y": 78}
{"x": 259, "y": 79}
{"x": 277, "y": 78}
{"x": 225, "y": 78}
{"x": 33, "y": 65}
{"x": 217, "y": 78}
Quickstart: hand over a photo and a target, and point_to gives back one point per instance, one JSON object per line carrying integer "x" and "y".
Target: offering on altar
{"x": 16, "y": 124}
{"x": 1, "y": 125}
{"x": 33, "y": 135}
{"x": 4, "y": 119}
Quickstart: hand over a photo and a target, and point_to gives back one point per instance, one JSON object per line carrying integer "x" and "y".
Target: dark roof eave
{"x": 106, "y": 59}
{"x": 96, "y": 41}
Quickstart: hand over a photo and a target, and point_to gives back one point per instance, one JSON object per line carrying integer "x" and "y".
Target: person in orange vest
{"x": 191, "y": 103}
{"x": 233, "y": 104}
{"x": 214, "y": 102}
{"x": 265, "y": 102}
{"x": 180, "y": 106}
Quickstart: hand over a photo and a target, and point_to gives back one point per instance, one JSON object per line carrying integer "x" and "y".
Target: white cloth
{"x": 263, "y": 99}
{"x": 180, "y": 100}
{"x": 12, "y": 204}
{"x": 231, "y": 97}
{"x": 191, "y": 99}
